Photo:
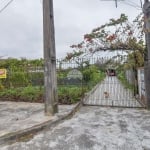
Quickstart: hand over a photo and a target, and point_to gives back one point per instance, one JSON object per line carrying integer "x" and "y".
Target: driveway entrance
{"x": 110, "y": 92}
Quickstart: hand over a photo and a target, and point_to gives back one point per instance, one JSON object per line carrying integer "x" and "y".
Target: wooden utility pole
{"x": 146, "y": 11}
{"x": 50, "y": 80}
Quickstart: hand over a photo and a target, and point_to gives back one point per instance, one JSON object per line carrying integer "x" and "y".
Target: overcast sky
{"x": 21, "y": 31}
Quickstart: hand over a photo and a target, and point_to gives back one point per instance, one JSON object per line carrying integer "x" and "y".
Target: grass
{"x": 70, "y": 94}
{"x": 28, "y": 94}
{"x": 122, "y": 78}
{"x": 66, "y": 94}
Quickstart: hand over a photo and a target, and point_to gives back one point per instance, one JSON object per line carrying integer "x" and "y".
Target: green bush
{"x": 66, "y": 95}
{"x": 70, "y": 94}
{"x": 92, "y": 75}
{"x": 32, "y": 94}
{"x": 36, "y": 78}
{"x": 28, "y": 94}
{"x": 23, "y": 83}
{"x": 122, "y": 78}
{"x": 18, "y": 79}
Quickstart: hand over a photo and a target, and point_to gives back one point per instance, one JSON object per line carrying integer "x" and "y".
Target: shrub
{"x": 122, "y": 78}
{"x": 70, "y": 94}
{"x": 92, "y": 75}
{"x": 27, "y": 94}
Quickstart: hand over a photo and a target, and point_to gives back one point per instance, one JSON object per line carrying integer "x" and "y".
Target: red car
{"x": 111, "y": 72}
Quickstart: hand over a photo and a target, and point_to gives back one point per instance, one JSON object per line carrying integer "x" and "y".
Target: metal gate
{"x": 114, "y": 91}
{"x": 111, "y": 92}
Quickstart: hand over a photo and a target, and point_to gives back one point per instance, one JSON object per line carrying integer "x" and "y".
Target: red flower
{"x": 130, "y": 33}
{"x": 111, "y": 37}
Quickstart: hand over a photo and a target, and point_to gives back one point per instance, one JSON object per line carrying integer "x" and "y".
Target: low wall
{"x": 130, "y": 76}
{"x": 141, "y": 85}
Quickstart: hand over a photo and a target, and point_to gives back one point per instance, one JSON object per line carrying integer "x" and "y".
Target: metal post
{"x": 50, "y": 81}
{"x": 146, "y": 11}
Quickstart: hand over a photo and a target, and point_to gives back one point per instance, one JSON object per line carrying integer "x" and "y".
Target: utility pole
{"x": 50, "y": 80}
{"x": 146, "y": 11}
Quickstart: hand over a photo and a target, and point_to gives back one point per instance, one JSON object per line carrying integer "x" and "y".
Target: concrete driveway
{"x": 95, "y": 128}
{"x": 117, "y": 94}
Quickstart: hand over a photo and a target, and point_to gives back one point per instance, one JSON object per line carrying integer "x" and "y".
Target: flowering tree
{"x": 117, "y": 34}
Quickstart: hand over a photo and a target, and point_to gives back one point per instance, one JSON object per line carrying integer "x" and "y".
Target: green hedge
{"x": 92, "y": 75}
{"x": 28, "y": 86}
{"x": 28, "y": 94}
{"x": 122, "y": 78}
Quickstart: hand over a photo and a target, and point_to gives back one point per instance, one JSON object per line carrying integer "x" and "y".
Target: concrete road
{"x": 95, "y": 128}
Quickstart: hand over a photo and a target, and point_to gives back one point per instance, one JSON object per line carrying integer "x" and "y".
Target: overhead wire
{"x": 2, "y": 9}
{"x": 132, "y": 4}
{"x": 129, "y": 3}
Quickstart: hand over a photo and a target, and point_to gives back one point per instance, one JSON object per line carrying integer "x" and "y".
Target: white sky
{"x": 21, "y": 31}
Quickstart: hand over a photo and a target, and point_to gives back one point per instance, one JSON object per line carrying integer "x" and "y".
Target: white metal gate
{"x": 110, "y": 92}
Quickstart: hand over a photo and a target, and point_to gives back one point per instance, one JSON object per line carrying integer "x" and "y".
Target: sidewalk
{"x": 19, "y": 119}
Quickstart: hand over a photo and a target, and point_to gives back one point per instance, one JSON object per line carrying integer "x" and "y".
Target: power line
{"x": 129, "y": 3}
{"x": 132, "y": 4}
{"x": 1, "y": 10}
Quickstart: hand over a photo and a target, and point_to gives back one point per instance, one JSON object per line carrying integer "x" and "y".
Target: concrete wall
{"x": 130, "y": 76}
{"x": 141, "y": 84}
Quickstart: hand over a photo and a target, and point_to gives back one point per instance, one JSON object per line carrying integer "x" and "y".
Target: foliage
{"x": 32, "y": 94}
{"x": 26, "y": 83}
{"x": 62, "y": 74}
{"x": 121, "y": 76}
{"x": 28, "y": 94}
{"x": 66, "y": 94}
{"x": 1, "y": 86}
{"x": 92, "y": 75}
{"x": 134, "y": 60}
{"x": 18, "y": 79}
{"x": 36, "y": 78}
{"x": 22, "y": 72}
{"x": 20, "y": 63}
{"x": 117, "y": 34}
{"x": 70, "y": 94}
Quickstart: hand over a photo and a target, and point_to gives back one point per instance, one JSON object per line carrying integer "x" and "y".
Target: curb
{"x": 30, "y": 132}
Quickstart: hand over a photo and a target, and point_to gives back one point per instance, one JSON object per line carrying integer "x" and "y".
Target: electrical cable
{"x": 1, "y": 10}
{"x": 132, "y": 4}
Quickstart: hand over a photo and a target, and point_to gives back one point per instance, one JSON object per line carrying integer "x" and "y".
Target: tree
{"x": 117, "y": 34}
